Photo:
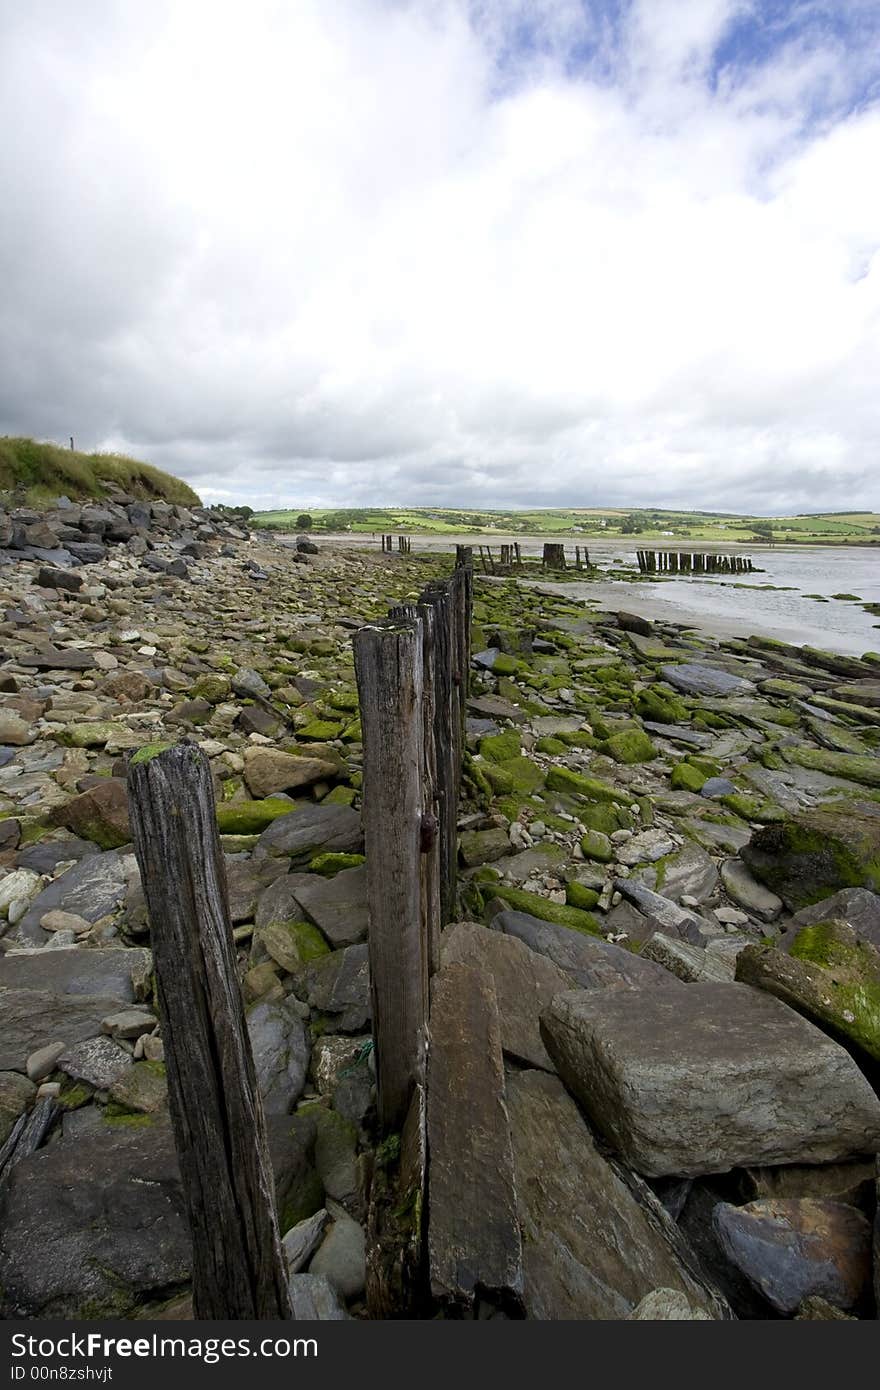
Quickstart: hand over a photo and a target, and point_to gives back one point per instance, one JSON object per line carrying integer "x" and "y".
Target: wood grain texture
{"x": 238, "y": 1264}
{"x": 389, "y": 670}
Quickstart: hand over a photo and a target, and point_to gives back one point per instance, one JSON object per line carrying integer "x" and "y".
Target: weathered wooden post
{"x": 389, "y": 670}
{"x": 239, "y": 1270}
{"x": 517, "y": 554}
{"x": 553, "y": 556}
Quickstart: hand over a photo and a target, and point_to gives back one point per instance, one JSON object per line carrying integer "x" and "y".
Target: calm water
{"x": 714, "y": 604}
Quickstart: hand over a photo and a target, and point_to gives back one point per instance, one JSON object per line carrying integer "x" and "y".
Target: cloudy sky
{"x": 489, "y": 252}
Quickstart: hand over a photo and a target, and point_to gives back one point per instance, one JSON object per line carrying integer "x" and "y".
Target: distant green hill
{"x": 39, "y": 472}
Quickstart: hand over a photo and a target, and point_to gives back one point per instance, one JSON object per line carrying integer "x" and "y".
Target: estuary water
{"x": 718, "y": 604}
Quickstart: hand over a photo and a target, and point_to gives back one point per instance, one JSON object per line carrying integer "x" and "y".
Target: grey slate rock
{"x": 590, "y": 962}
{"x": 109, "y": 972}
{"x": 303, "y": 1239}
{"x": 341, "y": 1256}
{"x": 337, "y": 905}
{"x": 525, "y": 982}
{"x": 590, "y": 1249}
{"x": 312, "y": 830}
{"x": 713, "y": 1077}
{"x": 857, "y": 906}
{"x": 280, "y": 1045}
{"x": 340, "y": 984}
{"x": 314, "y": 1299}
{"x": 34, "y": 1018}
{"x": 99, "y": 1062}
{"x": 92, "y": 889}
{"x": 693, "y": 678}
{"x": 663, "y": 914}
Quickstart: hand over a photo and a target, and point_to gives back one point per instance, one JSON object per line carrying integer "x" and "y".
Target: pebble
{"x": 41, "y": 1063}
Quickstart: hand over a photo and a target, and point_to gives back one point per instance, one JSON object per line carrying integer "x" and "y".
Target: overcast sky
{"x": 497, "y": 252}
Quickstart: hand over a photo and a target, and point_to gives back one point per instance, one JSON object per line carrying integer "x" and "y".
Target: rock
{"x": 829, "y": 976}
{"x": 99, "y": 1062}
{"x": 142, "y": 1088}
{"x": 336, "y": 1154}
{"x": 716, "y": 787}
{"x": 129, "y": 1023}
{"x": 314, "y": 1299}
{"x": 474, "y": 1243}
{"x": 99, "y": 814}
{"x": 249, "y": 685}
{"x": 595, "y": 845}
{"x": 813, "y": 854}
{"x": 269, "y": 770}
{"x": 525, "y": 983}
{"x": 301, "y": 1241}
{"x": 15, "y": 730}
{"x": 663, "y": 914}
{"x": 341, "y": 1256}
{"x": 747, "y": 892}
{"x": 589, "y": 961}
{"x": 337, "y": 906}
{"x": 91, "y": 889}
{"x": 94, "y": 1226}
{"x": 691, "y": 873}
{"x": 797, "y": 1248}
{"x": 16, "y": 1094}
{"x": 686, "y": 962}
{"x": 281, "y": 1054}
{"x": 693, "y": 678}
{"x": 33, "y": 1018}
{"x": 115, "y": 973}
{"x": 590, "y": 1249}
{"x": 632, "y": 622}
{"x": 247, "y": 880}
{"x": 645, "y": 847}
{"x": 713, "y": 1077}
{"x": 483, "y": 846}
{"x": 339, "y": 983}
{"x": 855, "y": 906}
{"x": 128, "y": 687}
{"x": 22, "y": 885}
{"x": 41, "y": 1063}
{"x": 310, "y": 831}
{"x": 851, "y": 1183}
{"x": 667, "y": 1305}
{"x": 56, "y": 920}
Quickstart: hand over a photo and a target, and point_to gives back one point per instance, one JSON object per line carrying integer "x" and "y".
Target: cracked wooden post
{"x": 389, "y": 669}
{"x": 239, "y": 1270}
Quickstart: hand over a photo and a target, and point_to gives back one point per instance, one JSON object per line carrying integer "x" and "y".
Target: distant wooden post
{"x": 239, "y": 1270}
{"x": 389, "y": 669}
{"x": 554, "y": 556}
{"x": 516, "y": 552}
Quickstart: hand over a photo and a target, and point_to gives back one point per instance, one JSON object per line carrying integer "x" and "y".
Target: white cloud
{"x": 332, "y": 252}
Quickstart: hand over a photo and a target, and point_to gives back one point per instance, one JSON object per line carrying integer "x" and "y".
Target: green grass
{"x": 40, "y": 472}
{"x": 586, "y": 523}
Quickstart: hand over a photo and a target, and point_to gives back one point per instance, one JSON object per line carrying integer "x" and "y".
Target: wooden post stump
{"x": 239, "y": 1270}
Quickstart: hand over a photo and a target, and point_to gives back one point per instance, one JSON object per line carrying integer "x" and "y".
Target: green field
{"x": 829, "y": 528}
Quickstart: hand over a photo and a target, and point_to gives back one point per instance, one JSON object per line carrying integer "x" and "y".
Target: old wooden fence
{"x": 412, "y": 680}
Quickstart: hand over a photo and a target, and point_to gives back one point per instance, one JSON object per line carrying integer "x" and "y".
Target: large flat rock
{"x": 695, "y": 678}
{"x": 32, "y": 1019}
{"x": 119, "y": 973}
{"x": 714, "y": 1077}
{"x": 474, "y": 1244}
{"x": 525, "y": 983}
{"x": 591, "y": 962}
{"x": 337, "y": 905}
{"x": 312, "y": 830}
{"x": 590, "y": 1249}
{"x": 94, "y": 1225}
{"x": 857, "y": 906}
{"x": 280, "y": 1045}
{"x": 91, "y": 888}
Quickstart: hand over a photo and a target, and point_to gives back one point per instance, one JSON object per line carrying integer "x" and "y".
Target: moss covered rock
{"x": 850, "y": 766}
{"x": 547, "y": 911}
{"x": 596, "y": 845}
{"x": 563, "y": 779}
{"x": 829, "y": 975}
{"x": 500, "y": 748}
{"x": 250, "y": 817}
{"x": 630, "y": 746}
{"x": 807, "y": 857}
{"x": 687, "y": 778}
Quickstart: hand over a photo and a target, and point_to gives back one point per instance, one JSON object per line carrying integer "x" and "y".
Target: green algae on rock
{"x": 811, "y": 855}
{"x": 537, "y": 906}
{"x": 250, "y": 817}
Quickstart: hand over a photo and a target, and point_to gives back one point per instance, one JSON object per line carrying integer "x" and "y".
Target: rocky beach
{"x": 668, "y": 920}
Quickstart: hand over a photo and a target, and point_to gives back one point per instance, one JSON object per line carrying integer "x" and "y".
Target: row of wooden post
{"x": 412, "y": 673}
{"x": 404, "y": 544}
{"x": 412, "y": 679}
{"x": 682, "y": 562}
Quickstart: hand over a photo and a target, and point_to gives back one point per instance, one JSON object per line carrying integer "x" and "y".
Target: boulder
{"x": 32, "y": 1019}
{"x": 590, "y": 962}
{"x": 797, "y": 1248}
{"x": 712, "y": 1077}
{"x": 269, "y": 770}
{"x": 748, "y": 893}
{"x": 92, "y": 888}
{"x": 856, "y": 906}
{"x": 312, "y": 830}
{"x": 474, "y": 1242}
{"x": 280, "y": 1046}
{"x": 339, "y": 983}
{"x": 99, "y": 814}
{"x": 829, "y": 976}
{"x": 337, "y": 906}
{"x": 811, "y": 855}
{"x": 118, "y": 973}
{"x": 525, "y": 983}
{"x": 591, "y": 1250}
{"x": 16, "y": 1094}
{"x": 693, "y": 678}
